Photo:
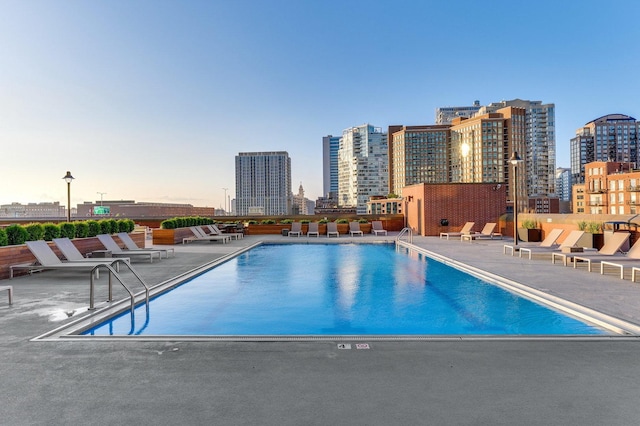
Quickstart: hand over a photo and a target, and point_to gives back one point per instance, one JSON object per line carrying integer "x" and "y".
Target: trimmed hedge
{"x": 183, "y": 222}
{"x": 19, "y": 234}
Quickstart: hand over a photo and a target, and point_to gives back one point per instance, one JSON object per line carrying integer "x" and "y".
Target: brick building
{"x": 434, "y": 208}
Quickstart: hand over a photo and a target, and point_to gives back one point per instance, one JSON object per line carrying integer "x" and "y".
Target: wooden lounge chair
{"x": 466, "y": 229}
{"x": 47, "y": 259}
{"x": 354, "y": 229}
{"x": 486, "y": 233}
{"x": 199, "y": 235}
{"x": 608, "y": 250}
{"x": 116, "y": 251}
{"x": 376, "y": 228}
{"x": 332, "y": 229}
{"x": 313, "y": 229}
{"x": 131, "y": 245}
{"x": 296, "y": 229}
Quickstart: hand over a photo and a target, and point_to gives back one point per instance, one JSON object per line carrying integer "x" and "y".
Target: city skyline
{"x": 152, "y": 100}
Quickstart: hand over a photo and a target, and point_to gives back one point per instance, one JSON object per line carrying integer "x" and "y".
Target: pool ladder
{"x": 114, "y": 273}
{"x": 408, "y": 232}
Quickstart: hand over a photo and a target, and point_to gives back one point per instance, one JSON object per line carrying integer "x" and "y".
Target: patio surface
{"x": 435, "y": 382}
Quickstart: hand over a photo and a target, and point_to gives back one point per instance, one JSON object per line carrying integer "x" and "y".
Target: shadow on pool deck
{"x": 432, "y": 382}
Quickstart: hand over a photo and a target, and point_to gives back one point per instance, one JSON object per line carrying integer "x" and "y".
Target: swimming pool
{"x": 340, "y": 290}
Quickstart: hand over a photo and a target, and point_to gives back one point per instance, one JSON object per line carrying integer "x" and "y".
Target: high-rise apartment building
{"x": 417, "y": 154}
{"x": 362, "y": 166}
{"x": 330, "y": 145}
{"x": 539, "y": 150}
{"x": 263, "y": 183}
{"x": 539, "y": 153}
{"x": 612, "y": 137}
{"x": 563, "y": 183}
{"x": 446, "y": 115}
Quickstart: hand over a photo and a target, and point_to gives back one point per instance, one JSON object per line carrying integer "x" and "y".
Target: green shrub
{"x": 268, "y": 222}
{"x": 363, "y": 220}
{"x": 16, "y": 234}
{"x": 286, "y": 221}
{"x": 51, "y": 231}
{"x": 113, "y": 224}
{"x": 305, "y": 221}
{"x": 36, "y": 231}
{"x": 342, "y": 221}
{"x": 168, "y": 224}
{"x": 94, "y": 228}
{"x": 123, "y": 225}
{"x": 529, "y": 224}
{"x": 582, "y": 225}
{"x": 67, "y": 230}
{"x": 325, "y": 220}
{"x": 594, "y": 228}
{"x": 252, "y": 222}
{"x": 82, "y": 229}
{"x": 105, "y": 226}
{"x": 4, "y": 240}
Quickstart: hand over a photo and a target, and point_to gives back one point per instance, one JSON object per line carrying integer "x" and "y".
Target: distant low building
{"x": 130, "y": 208}
{"x": 35, "y": 210}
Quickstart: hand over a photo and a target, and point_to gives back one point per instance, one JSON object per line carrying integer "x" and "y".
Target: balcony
{"x": 596, "y": 191}
{"x": 596, "y": 203}
{"x": 633, "y": 188}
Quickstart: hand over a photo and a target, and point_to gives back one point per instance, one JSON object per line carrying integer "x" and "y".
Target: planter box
{"x": 594, "y": 241}
{"x": 530, "y": 235}
{"x": 170, "y": 236}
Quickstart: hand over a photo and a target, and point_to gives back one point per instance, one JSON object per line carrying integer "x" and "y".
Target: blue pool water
{"x": 318, "y": 289}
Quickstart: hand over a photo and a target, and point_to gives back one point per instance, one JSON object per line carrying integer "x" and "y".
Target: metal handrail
{"x": 114, "y": 273}
{"x": 408, "y": 232}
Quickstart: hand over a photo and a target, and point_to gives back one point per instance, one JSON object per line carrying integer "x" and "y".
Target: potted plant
{"x": 530, "y": 232}
{"x": 593, "y": 236}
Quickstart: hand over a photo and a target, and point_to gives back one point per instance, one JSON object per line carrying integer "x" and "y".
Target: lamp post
{"x": 225, "y": 201}
{"x": 515, "y": 160}
{"x": 68, "y": 178}
{"x": 101, "y": 194}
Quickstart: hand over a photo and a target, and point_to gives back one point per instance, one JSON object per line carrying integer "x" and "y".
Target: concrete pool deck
{"x": 440, "y": 382}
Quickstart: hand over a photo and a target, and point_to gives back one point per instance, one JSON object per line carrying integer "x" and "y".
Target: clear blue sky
{"x": 152, "y": 100}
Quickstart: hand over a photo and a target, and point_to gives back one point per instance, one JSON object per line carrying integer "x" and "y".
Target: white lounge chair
{"x": 376, "y": 228}
{"x": 633, "y": 255}
{"x": 296, "y": 229}
{"x": 466, "y": 229}
{"x": 548, "y": 242}
{"x": 116, "y": 251}
{"x": 313, "y": 229}
{"x": 199, "y": 235}
{"x": 354, "y": 229}
{"x": 216, "y": 231}
{"x": 9, "y": 290}
{"x": 132, "y": 246}
{"x": 72, "y": 254}
{"x": 47, "y": 259}
{"x": 332, "y": 229}
{"x": 610, "y": 248}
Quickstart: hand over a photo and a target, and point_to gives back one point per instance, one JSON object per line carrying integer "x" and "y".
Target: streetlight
{"x": 515, "y": 160}
{"x": 101, "y": 194}
{"x": 225, "y": 201}
{"x": 68, "y": 178}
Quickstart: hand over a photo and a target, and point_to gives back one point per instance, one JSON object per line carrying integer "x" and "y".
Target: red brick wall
{"x": 459, "y": 203}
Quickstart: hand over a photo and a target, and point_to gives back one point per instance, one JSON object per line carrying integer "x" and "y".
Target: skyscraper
{"x": 612, "y": 137}
{"x": 263, "y": 183}
{"x": 362, "y": 166}
{"x": 330, "y": 145}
